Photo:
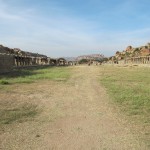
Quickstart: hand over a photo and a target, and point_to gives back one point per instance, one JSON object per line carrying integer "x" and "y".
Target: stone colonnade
{"x": 9, "y": 61}
{"x": 30, "y": 61}
{"x": 131, "y": 60}
{"x": 138, "y": 60}
{"x": 72, "y": 63}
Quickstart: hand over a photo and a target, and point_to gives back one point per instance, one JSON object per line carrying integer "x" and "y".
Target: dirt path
{"x": 76, "y": 116}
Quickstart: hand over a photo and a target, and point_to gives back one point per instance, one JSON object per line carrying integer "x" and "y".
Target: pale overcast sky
{"x": 74, "y": 27}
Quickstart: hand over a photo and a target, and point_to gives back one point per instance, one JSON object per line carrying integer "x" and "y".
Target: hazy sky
{"x": 74, "y": 27}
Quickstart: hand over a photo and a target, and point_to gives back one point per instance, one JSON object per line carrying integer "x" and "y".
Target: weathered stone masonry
{"x": 9, "y": 61}
{"x": 6, "y": 63}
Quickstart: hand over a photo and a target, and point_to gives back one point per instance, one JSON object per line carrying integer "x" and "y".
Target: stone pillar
{"x": 15, "y": 60}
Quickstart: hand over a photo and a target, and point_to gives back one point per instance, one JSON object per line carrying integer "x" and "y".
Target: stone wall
{"x": 6, "y": 63}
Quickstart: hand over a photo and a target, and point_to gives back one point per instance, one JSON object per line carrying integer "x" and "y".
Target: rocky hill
{"x": 90, "y": 57}
{"x": 132, "y": 52}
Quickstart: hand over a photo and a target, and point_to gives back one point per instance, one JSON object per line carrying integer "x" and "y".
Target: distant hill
{"x": 91, "y": 57}
{"x": 70, "y": 58}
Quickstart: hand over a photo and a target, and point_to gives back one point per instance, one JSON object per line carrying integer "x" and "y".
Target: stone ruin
{"x": 14, "y": 58}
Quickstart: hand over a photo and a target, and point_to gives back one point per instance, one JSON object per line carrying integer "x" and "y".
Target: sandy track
{"x": 76, "y": 115}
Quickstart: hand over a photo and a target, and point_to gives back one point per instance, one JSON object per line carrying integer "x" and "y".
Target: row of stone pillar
{"x": 138, "y": 60}
{"x": 28, "y": 61}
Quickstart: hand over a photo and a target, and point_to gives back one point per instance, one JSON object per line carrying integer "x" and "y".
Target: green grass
{"x": 130, "y": 89}
{"x": 20, "y": 113}
{"x": 34, "y": 74}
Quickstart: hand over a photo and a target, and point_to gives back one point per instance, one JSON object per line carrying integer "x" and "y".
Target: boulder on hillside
{"x": 145, "y": 51}
{"x": 148, "y": 45}
{"x": 129, "y": 49}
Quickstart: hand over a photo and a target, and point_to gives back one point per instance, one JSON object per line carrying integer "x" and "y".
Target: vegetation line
{"x": 29, "y": 76}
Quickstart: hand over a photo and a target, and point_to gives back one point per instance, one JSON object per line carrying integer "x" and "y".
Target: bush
{"x": 4, "y": 82}
{"x": 83, "y": 61}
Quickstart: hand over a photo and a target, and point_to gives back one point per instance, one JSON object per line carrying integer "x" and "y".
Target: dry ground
{"x": 73, "y": 115}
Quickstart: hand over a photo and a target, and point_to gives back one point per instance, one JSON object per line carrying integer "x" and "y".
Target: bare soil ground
{"x": 73, "y": 115}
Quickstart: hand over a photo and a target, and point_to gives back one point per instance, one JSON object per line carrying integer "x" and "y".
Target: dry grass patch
{"x": 12, "y": 109}
{"x": 21, "y": 114}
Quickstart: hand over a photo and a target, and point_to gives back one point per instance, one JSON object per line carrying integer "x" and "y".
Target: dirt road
{"x": 75, "y": 115}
